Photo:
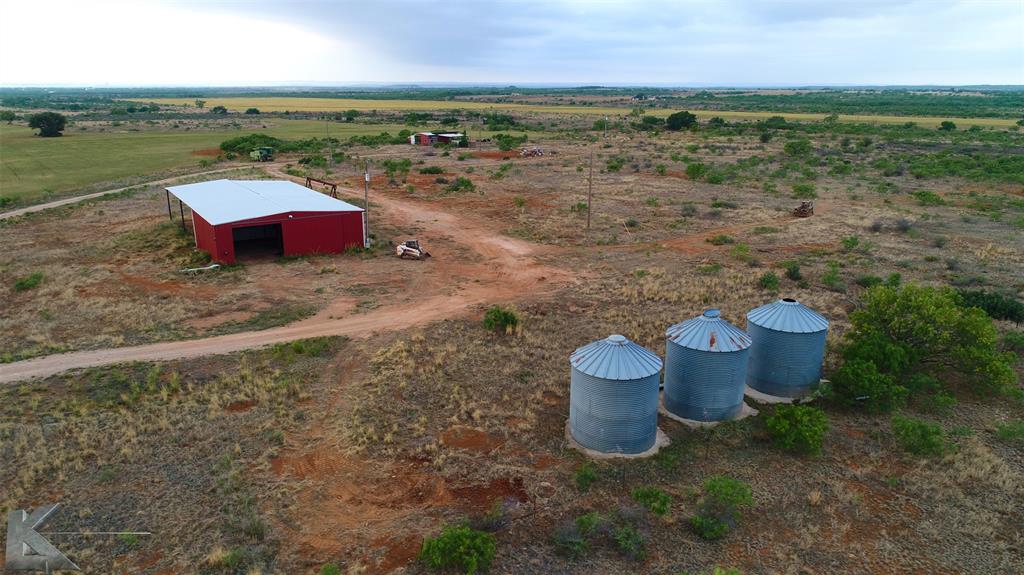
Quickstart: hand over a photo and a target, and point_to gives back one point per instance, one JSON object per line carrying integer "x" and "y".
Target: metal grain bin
{"x": 788, "y": 349}
{"x": 613, "y": 396}
{"x": 705, "y": 368}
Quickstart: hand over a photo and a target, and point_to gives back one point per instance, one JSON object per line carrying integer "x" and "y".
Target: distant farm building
{"x": 233, "y": 217}
{"x": 430, "y": 138}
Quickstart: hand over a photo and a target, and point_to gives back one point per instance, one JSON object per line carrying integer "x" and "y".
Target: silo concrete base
{"x": 745, "y": 412}
{"x": 761, "y": 397}
{"x": 660, "y": 441}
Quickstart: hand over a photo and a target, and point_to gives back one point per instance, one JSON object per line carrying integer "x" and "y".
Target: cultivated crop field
{"x": 379, "y": 408}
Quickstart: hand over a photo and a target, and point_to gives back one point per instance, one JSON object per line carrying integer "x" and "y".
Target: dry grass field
{"x": 282, "y": 104}
{"x": 352, "y": 452}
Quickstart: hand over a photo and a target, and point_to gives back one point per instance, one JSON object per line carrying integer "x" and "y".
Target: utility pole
{"x": 330, "y": 146}
{"x": 366, "y": 204}
{"x": 590, "y": 189}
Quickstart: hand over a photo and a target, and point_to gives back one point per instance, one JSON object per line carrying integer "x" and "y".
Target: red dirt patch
{"x": 496, "y": 155}
{"x": 240, "y": 406}
{"x": 398, "y": 552}
{"x": 471, "y": 439}
{"x": 482, "y": 497}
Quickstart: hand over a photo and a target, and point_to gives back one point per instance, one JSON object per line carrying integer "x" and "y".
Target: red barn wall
{"x": 206, "y": 236}
{"x": 301, "y": 233}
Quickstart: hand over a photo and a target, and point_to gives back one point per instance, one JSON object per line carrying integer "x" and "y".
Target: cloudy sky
{"x": 682, "y": 43}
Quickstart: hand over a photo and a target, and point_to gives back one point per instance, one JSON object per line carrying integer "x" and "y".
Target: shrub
{"x": 798, "y": 428}
{"x": 793, "y": 271}
{"x": 459, "y": 547}
{"x": 688, "y": 210}
{"x": 330, "y": 569}
{"x": 868, "y": 281}
{"x": 252, "y": 111}
{"x": 720, "y": 240}
{"x": 570, "y": 541}
{"x": 831, "y": 278}
{"x": 718, "y": 510}
{"x": 28, "y": 282}
{"x": 996, "y": 305}
{"x": 696, "y": 170}
{"x": 680, "y": 120}
{"x": 858, "y": 383}
{"x": 947, "y": 126}
{"x": 850, "y": 243}
{"x": 630, "y": 542}
{"x": 661, "y": 169}
{"x": 507, "y": 141}
{"x": 928, "y": 198}
{"x": 796, "y": 148}
{"x": 1014, "y": 341}
{"x": 804, "y": 191}
{"x": 769, "y": 281}
{"x": 500, "y": 319}
{"x": 1011, "y": 432}
{"x": 724, "y": 204}
{"x": 919, "y": 437}
{"x": 461, "y": 184}
{"x": 432, "y": 170}
{"x": 913, "y": 329}
{"x": 585, "y": 476}
{"x": 631, "y": 223}
{"x": 654, "y": 499}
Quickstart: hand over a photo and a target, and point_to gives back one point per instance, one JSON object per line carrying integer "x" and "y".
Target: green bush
{"x": 630, "y": 542}
{"x": 718, "y": 510}
{"x": 769, "y": 281}
{"x": 461, "y": 184}
{"x": 793, "y": 271}
{"x": 909, "y": 329}
{"x": 696, "y": 170}
{"x": 654, "y": 499}
{"x": 330, "y": 569}
{"x": 797, "y": 148}
{"x": 680, "y": 120}
{"x": 573, "y": 539}
{"x": 500, "y": 319}
{"x": 28, "y": 282}
{"x": 928, "y": 198}
{"x": 432, "y": 170}
{"x": 1011, "y": 432}
{"x": 804, "y": 191}
{"x": 459, "y": 547}
{"x": 585, "y": 476}
{"x": 858, "y": 383}
{"x": 996, "y": 305}
{"x": 507, "y": 141}
{"x": 797, "y": 428}
{"x": 831, "y": 278}
{"x": 720, "y": 240}
{"x": 919, "y": 437}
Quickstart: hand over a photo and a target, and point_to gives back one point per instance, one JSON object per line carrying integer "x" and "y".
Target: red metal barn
{"x": 232, "y": 217}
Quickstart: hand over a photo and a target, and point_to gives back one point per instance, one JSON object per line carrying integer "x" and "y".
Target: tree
{"x": 681, "y": 120}
{"x": 49, "y": 124}
{"x": 200, "y": 104}
{"x": 907, "y": 331}
{"x": 947, "y": 126}
{"x": 351, "y": 115}
{"x": 716, "y": 122}
{"x": 252, "y": 111}
{"x": 219, "y": 110}
{"x": 8, "y": 116}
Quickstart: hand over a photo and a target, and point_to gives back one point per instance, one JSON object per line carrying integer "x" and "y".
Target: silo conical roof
{"x": 709, "y": 332}
{"x": 615, "y": 357}
{"x": 788, "y": 315}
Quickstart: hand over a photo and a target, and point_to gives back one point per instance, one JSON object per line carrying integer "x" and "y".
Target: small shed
{"x": 230, "y": 217}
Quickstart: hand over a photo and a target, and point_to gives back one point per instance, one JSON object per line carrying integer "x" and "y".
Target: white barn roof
{"x": 226, "y": 201}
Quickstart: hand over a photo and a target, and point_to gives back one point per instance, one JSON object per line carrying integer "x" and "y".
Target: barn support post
{"x": 170, "y": 215}
{"x": 181, "y": 209}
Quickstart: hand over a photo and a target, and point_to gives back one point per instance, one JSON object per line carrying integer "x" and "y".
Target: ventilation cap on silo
{"x": 615, "y": 357}
{"x": 708, "y": 332}
{"x": 788, "y": 315}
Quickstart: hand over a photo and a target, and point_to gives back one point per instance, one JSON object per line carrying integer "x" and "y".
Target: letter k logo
{"x": 27, "y": 550}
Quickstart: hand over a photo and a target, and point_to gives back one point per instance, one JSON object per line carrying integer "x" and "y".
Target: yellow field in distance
{"x": 272, "y": 104}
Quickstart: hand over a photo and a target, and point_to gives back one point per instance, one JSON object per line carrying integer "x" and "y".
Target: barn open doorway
{"x": 256, "y": 242}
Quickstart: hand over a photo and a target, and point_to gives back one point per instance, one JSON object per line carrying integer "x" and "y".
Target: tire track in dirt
{"x": 508, "y": 271}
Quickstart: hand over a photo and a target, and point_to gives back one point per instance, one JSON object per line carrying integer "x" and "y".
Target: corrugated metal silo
{"x": 788, "y": 350}
{"x": 705, "y": 368}
{"x": 613, "y": 396}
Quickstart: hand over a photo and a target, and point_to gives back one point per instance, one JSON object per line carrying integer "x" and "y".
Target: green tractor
{"x": 263, "y": 154}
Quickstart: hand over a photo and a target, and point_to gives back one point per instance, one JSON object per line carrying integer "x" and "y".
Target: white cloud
{"x": 766, "y": 42}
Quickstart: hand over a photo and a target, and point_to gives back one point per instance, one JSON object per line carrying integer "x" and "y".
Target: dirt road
{"x": 505, "y": 270}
